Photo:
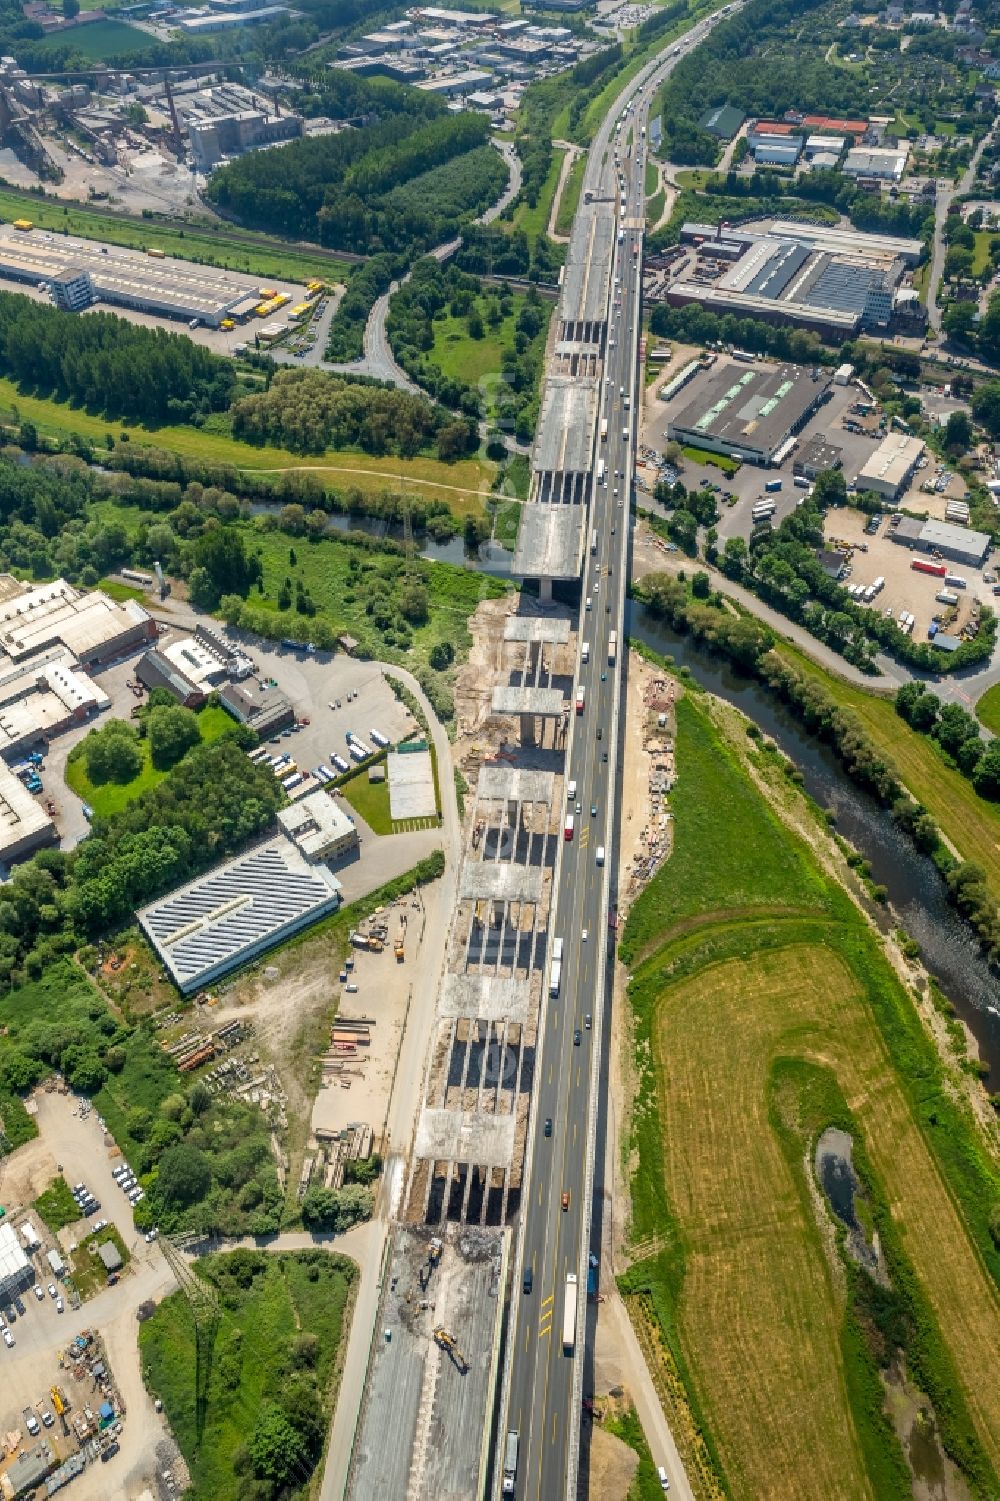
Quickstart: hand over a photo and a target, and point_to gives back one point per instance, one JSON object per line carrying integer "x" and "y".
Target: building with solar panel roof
{"x": 236, "y": 912}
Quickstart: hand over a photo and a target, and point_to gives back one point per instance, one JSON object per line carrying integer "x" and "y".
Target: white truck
{"x": 569, "y": 1314}
{"x": 555, "y": 968}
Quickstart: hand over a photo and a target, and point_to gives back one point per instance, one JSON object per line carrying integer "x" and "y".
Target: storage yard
{"x": 130, "y": 279}
{"x": 874, "y": 555}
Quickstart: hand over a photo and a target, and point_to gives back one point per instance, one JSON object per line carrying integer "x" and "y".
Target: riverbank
{"x": 759, "y": 988}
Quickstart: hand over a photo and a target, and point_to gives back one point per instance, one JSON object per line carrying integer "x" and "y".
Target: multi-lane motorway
{"x": 542, "y": 1388}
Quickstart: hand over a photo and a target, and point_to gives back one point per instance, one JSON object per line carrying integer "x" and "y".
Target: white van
{"x": 585, "y": 652}
{"x": 661, "y": 1476}
{"x": 600, "y": 854}
{"x": 571, "y": 792}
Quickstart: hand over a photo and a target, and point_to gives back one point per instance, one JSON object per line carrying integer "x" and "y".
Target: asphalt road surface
{"x": 543, "y": 1403}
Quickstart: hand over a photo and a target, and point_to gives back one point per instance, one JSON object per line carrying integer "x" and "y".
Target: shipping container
{"x": 946, "y": 597}
{"x": 772, "y": 486}
{"x": 921, "y": 565}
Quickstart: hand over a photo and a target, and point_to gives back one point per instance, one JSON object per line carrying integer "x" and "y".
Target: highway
{"x": 543, "y": 1385}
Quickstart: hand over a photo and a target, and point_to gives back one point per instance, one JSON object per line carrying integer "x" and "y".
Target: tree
{"x": 958, "y": 432}
{"x": 276, "y": 1449}
{"x": 958, "y": 317}
{"x": 112, "y": 754}
{"x": 442, "y": 655}
{"x": 986, "y": 777}
{"x": 700, "y": 585}
{"x": 414, "y": 602}
{"x": 171, "y": 734}
{"x": 986, "y": 406}
{"x": 220, "y": 551}
{"x": 917, "y": 706}
{"x": 70, "y": 9}
{"x": 955, "y": 725}
{"x": 183, "y": 1176}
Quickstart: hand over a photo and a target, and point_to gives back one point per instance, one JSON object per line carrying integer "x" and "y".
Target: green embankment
{"x": 220, "y": 246}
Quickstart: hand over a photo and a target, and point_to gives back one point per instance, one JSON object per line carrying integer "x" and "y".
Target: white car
{"x": 52, "y": 1290}
{"x": 39, "y": 1294}
{"x": 60, "y": 1305}
{"x": 8, "y": 1339}
{"x": 47, "y": 1418}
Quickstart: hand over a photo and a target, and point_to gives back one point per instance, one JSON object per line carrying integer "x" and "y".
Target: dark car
{"x": 576, "y": 1038}
{"x": 529, "y": 1279}
{"x": 548, "y": 1125}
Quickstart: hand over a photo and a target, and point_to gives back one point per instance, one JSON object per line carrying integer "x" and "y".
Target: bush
{"x": 112, "y": 753}
{"x": 171, "y": 732}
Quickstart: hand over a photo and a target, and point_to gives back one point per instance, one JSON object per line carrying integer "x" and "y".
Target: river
{"x": 917, "y": 893}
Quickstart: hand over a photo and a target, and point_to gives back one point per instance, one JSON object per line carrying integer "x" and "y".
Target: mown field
{"x": 98, "y": 40}
{"x": 462, "y": 484}
{"x": 971, "y": 824}
{"x": 763, "y": 989}
{"x": 988, "y": 709}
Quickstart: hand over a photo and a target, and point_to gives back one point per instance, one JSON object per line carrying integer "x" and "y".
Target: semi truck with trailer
{"x": 555, "y": 968}
{"x": 569, "y": 1314}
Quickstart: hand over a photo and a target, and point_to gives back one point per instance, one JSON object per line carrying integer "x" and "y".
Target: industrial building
{"x": 24, "y": 824}
{"x": 232, "y": 20}
{"x": 94, "y": 628}
{"x": 16, "y": 1271}
{"x": 886, "y": 166}
{"x": 266, "y": 713}
{"x": 44, "y": 696}
{"x": 891, "y": 467}
{"x": 723, "y": 121}
{"x": 243, "y": 130}
{"x": 749, "y": 413}
{"x": 319, "y": 827}
{"x": 26, "y": 1471}
{"x": 154, "y": 670}
{"x": 81, "y": 272}
{"x": 236, "y": 912}
{"x": 833, "y": 281}
{"x": 956, "y": 543}
{"x": 816, "y": 457}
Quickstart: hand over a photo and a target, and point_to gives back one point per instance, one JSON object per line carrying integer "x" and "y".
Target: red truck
{"x": 920, "y": 565}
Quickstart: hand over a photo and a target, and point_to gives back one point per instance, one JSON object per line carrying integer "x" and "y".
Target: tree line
{"x": 110, "y": 365}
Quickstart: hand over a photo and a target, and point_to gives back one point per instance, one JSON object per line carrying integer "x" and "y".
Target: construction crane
{"x": 445, "y": 1340}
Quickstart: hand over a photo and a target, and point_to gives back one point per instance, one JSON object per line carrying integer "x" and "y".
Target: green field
{"x": 764, "y": 1011}
{"x": 467, "y": 359}
{"x": 461, "y": 484}
{"x": 111, "y": 797}
{"x": 370, "y": 799}
{"x": 652, "y": 178}
{"x": 716, "y": 460}
{"x": 268, "y": 1366}
{"x": 988, "y": 709}
{"x": 98, "y": 40}
{"x": 221, "y": 246}
{"x": 535, "y": 221}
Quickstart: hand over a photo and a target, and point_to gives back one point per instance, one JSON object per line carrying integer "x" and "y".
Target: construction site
{"x": 432, "y": 1365}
